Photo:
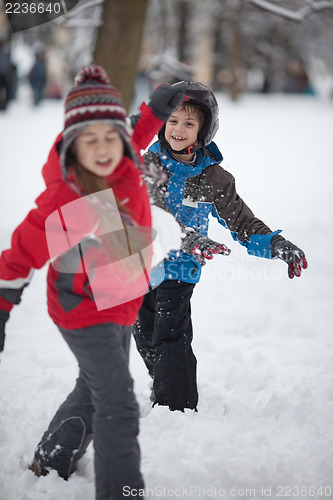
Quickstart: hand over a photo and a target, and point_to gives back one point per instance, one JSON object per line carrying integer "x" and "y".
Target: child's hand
{"x": 291, "y": 254}
{"x": 134, "y": 119}
{"x": 4, "y": 315}
{"x": 164, "y": 99}
{"x": 154, "y": 173}
{"x": 202, "y": 247}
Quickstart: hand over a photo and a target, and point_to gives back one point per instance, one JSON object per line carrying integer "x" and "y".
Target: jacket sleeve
{"x": 147, "y": 127}
{"x": 233, "y": 213}
{"x": 28, "y": 251}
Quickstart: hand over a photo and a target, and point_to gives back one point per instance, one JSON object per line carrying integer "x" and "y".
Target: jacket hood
{"x": 51, "y": 171}
{"x": 214, "y": 152}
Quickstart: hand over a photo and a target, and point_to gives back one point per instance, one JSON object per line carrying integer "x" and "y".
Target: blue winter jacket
{"x": 192, "y": 193}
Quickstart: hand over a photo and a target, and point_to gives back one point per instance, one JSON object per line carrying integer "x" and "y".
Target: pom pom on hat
{"x": 93, "y": 99}
{"x": 91, "y": 73}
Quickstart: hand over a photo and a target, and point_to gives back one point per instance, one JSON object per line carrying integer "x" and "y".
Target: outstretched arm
{"x": 251, "y": 232}
{"x": 28, "y": 251}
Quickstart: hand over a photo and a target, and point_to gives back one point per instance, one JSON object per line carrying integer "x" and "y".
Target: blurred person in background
{"x": 5, "y": 76}
{"x": 38, "y": 78}
{"x": 297, "y": 81}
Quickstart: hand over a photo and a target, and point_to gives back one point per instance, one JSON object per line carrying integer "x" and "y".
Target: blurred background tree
{"x": 118, "y": 43}
{"x": 233, "y": 46}
{"x": 238, "y": 46}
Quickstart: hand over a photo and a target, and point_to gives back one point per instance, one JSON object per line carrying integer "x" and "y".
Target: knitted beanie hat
{"x": 92, "y": 100}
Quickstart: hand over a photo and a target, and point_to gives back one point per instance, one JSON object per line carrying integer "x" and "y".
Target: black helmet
{"x": 203, "y": 97}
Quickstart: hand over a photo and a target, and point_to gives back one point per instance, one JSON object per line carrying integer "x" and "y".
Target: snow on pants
{"x": 101, "y": 407}
{"x": 163, "y": 334}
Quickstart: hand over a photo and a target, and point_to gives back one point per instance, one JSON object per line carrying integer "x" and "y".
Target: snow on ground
{"x": 264, "y": 343}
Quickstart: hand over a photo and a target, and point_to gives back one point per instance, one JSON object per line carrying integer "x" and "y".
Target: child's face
{"x": 182, "y": 128}
{"x": 99, "y": 148}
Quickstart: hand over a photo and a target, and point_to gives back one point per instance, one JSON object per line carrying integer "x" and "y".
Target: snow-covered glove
{"x": 202, "y": 247}
{"x": 4, "y": 315}
{"x": 290, "y": 253}
{"x": 154, "y": 173}
{"x": 164, "y": 99}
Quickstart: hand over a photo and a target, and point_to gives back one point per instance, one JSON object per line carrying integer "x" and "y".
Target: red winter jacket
{"x": 71, "y": 303}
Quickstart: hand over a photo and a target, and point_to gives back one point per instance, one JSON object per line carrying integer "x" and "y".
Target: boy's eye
{"x": 173, "y": 122}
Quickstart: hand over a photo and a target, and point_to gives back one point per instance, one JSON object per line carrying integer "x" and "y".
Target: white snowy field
{"x": 264, "y": 343}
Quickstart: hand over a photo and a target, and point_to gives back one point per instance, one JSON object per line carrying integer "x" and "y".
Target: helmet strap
{"x": 186, "y": 151}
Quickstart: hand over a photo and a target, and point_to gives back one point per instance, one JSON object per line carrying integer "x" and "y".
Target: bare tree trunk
{"x": 236, "y": 49}
{"x": 183, "y": 28}
{"x": 118, "y": 43}
{"x": 204, "y": 57}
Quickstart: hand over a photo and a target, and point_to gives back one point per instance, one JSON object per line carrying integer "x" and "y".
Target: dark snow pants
{"x": 101, "y": 407}
{"x": 163, "y": 335}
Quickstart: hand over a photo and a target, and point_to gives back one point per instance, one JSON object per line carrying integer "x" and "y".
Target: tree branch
{"x": 80, "y": 22}
{"x": 92, "y": 3}
{"x": 298, "y": 15}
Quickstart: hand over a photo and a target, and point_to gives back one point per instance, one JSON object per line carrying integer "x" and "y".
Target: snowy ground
{"x": 264, "y": 343}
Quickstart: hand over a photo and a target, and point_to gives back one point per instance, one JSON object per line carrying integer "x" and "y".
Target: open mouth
{"x": 104, "y": 163}
{"x": 178, "y": 138}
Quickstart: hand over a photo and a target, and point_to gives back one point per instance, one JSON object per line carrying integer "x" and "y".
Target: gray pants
{"x": 101, "y": 407}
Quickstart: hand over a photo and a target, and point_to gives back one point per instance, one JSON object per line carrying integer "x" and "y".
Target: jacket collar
{"x": 207, "y": 156}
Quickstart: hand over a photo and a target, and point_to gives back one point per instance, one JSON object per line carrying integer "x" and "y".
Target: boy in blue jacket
{"x": 193, "y": 185}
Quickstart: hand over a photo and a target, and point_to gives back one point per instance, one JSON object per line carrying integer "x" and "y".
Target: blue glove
{"x": 291, "y": 254}
{"x": 202, "y": 247}
{"x": 4, "y": 315}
